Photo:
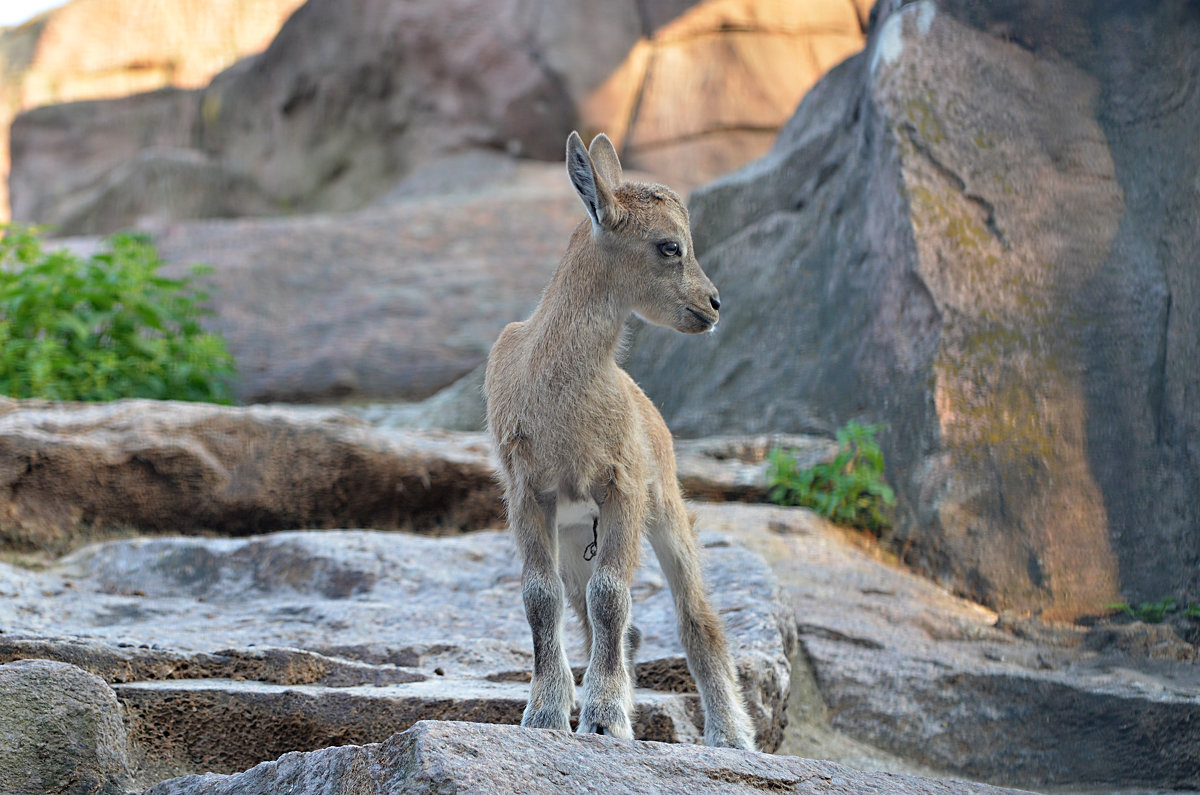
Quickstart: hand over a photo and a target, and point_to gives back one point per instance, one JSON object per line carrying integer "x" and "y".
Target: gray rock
{"x": 353, "y": 95}
{"x": 60, "y": 732}
{"x": 436, "y": 756}
{"x": 391, "y": 302}
{"x": 228, "y": 652}
{"x": 979, "y": 231}
{"x": 902, "y": 665}
{"x": 72, "y": 472}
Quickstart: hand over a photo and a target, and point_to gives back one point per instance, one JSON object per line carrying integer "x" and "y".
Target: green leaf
{"x": 103, "y": 327}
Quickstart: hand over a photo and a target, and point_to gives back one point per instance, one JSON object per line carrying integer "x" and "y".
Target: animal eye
{"x": 668, "y": 249}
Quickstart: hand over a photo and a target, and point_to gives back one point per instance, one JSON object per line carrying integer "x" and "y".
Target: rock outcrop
{"x": 896, "y": 662}
{"x": 229, "y": 652}
{"x": 435, "y": 756}
{"x": 981, "y": 232}
{"x": 352, "y": 95}
{"x": 94, "y": 49}
{"x": 73, "y": 472}
{"x": 60, "y": 732}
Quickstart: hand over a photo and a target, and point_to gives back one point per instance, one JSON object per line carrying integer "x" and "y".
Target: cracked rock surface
{"x": 909, "y": 677}
{"x": 434, "y": 757}
{"x": 229, "y": 652}
{"x": 981, "y": 232}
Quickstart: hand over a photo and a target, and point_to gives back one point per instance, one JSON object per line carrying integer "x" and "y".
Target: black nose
{"x": 715, "y": 301}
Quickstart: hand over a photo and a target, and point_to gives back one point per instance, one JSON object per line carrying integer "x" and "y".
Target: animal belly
{"x": 576, "y": 522}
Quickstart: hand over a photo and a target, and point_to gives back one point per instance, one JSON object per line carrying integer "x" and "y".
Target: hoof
{"x": 611, "y": 721}
{"x": 741, "y": 740}
{"x": 546, "y": 719}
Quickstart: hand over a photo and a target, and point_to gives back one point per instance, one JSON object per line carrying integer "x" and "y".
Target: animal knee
{"x": 543, "y": 597}
{"x": 608, "y": 601}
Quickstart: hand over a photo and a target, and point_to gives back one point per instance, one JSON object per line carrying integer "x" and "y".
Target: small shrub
{"x": 1155, "y": 612}
{"x": 104, "y": 327}
{"x": 849, "y": 490}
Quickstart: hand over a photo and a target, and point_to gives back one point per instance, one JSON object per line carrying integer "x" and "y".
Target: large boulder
{"x": 981, "y": 232}
{"x": 229, "y": 652}
{"x": 92, "y": 49}
{"x": 435, "y": 756}
{"x": 60, "y": 732}
{"x": 354, "y": 94}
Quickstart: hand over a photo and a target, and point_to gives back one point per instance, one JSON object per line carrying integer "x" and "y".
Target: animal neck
{"x": 579, "y": 321}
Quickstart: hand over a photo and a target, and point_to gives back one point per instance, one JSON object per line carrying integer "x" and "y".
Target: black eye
{"x": 669, "y": 249}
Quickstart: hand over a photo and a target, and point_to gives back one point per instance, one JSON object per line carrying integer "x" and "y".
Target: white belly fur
{"x": 575, "y": 522}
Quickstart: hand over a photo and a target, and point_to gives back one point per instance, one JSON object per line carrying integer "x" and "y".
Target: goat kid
{"x": 585, "y": 457}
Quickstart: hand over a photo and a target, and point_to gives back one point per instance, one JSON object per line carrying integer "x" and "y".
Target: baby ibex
{"x": 587, "y": 462}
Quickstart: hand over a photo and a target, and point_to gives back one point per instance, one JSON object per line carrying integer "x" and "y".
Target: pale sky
{"x": 14, "y": 12}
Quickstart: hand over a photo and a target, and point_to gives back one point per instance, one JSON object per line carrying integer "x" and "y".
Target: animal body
{"x": 585, "y": 457}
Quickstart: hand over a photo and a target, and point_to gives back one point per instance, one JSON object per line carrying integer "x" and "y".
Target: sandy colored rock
{"x": 60, "y": 732}
{"x": 969, "y": 239}
{"x": 369, "y": 92}
{"x": 437, "y": 756}
{"x": 93, "y": 49}
{"x": 73, "y": 472}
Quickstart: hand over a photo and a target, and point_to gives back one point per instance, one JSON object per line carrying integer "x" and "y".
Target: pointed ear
{"x": 604, "y": 157}
{"x": 597, "y": 197}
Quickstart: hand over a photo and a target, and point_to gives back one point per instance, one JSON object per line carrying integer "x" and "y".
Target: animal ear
{"x": 604, "y": 156}
{"x": 592, "y": 188}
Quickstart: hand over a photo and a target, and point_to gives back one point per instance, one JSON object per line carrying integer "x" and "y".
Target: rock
{"x": 60, "y": 732}
{"x": 370, "y": 92}
{"x": 458, "y": 407}
{"x": 902, "y": 665}
{"x": 734, "y": 468}
{"x": 436, "y": 756}
{"x": 392, "y": 302}
{"x": 229, "y": 652}
{"x": 92, "y": 49}
{"x": 976, "y": 232}
{"x": 72, "y": 472}
{"x": 659, "y": 105}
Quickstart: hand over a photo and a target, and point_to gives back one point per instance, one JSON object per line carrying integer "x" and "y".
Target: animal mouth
{"x": 708, "y": 322}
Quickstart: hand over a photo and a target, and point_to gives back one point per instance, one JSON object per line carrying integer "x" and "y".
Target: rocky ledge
{"x": 229, "y": 652}
{"x": 435, "y": 756}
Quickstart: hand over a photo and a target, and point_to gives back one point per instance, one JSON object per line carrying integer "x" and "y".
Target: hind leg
{"x": 726, "y": 723}
{"x": 552, "y": 691}
{"x": 607, "y": 701}
{"x": 576, "y": 553}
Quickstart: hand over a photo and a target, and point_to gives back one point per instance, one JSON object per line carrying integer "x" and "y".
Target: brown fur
{"x": 570, "y": 426}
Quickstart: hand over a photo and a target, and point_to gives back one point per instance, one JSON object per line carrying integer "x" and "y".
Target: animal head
{"x": 642, "y": 234}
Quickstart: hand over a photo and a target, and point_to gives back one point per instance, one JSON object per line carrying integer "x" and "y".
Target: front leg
{"x": 607, "y": 685}
{"x": 552, "y": 691}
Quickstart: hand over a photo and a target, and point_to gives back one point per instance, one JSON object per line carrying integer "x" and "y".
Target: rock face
{"x": 902, "y": 665}
{"x": 60, "y": 732}
{"x": 230, "y": 652}
{"x": 92, "y": 49}
{"x": 979, "y": 231}
{"x": 351, "y": 96}
{"x": 435, "y": 756}
{"x": 392, "y": 302}
{"x": 75, "y": 471}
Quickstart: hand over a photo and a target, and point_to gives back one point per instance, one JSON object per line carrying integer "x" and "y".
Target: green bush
{"x": 104, "y": 327}
{"x": 849, "y": 490}
{"x": 1156, "y": 612}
